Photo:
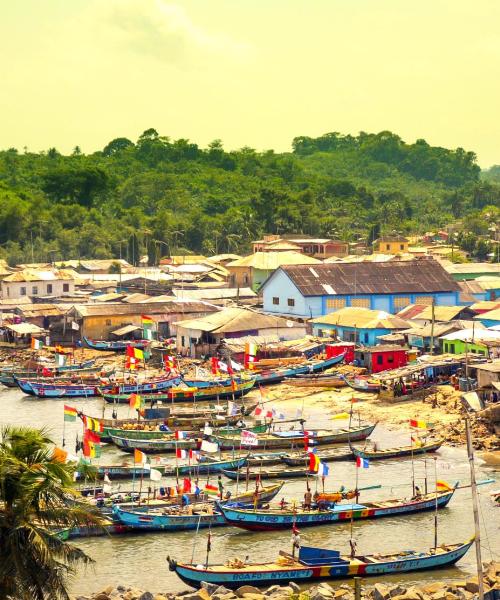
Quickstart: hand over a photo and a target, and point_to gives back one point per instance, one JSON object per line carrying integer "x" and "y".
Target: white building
{"x": 37, "y": 284}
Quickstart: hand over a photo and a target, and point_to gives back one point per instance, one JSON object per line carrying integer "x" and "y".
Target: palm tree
{"x": 36, "y": 500}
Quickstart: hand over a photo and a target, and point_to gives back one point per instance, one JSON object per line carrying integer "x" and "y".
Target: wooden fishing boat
{"x": 270, "y": 376}
{"x": 192, "y": 428}
{"x": 330, "y": 381}
{"x": 122, "y": 471}
{"x": 167, "y": 443}
{"x": 318, "y": 563}
{"x": 260, "y": 474}
{"x": 254, "y": 459}
{"x": 55, "y": 390}
{"x": 272, "y": 519}
{"x": 215, "y": 382}
{"x": 8, "y": 377}
{"x": 399, "y": 452}
{"x": 217, "y": 466}
{"x": 299, "y": 459}
{"x": 189, "y": 394}
{"x": 296, "y": 438}
{"x": 114, "y": 346}
{"x": 364, "y": 384}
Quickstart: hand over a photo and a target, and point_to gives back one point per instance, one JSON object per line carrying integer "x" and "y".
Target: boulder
{"x": 381, "y": 592}
{"x": 227, "y": 596}
{"x": 247, "y": 589}
{"x": 203, "y": 593}
{"x": 433, "y": 588}
{"x": 211, "y": 588}
{"x": 272, "y": 589}
{"x": 253, "y": 596}
{"x": 159, "y": 597}
{"x": 472, "y": 585}
{"x": 397, "y": 590}
{"x": 146, "y": 596}
{"x": 294, "y": 587}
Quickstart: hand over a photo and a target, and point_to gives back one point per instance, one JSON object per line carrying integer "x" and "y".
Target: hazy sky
{"x": 251, "y": 72}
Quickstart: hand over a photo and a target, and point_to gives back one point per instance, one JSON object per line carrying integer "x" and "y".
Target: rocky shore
{"x": 457, "y": 590}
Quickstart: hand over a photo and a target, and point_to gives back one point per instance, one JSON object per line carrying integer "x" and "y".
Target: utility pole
{"x": 433, "y": 318}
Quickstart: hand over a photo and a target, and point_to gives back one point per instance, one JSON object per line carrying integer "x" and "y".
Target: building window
{"x": 245, "y": 279}
{"x": 23, "y": 291}
{"x": 49, "y": 288}
{"x": 183, "y": 341}
{"x": 380, "y": 360}
{"x": 276, "y": 300}
{"x": 387, "y": 247}
{"x": 390, "y": 359}
{"x": 291, "y": 302}
{"x": 401, "y": 247}
{"x": 108, "y": 322}
{"x": 361, "y": 302}
{"x": 335, "y": 302}
{"x": 34, "y": 290}
{"x": 427, "y": 300}
{"x": 65, "y": 287}
{"x": 401, "y": 302}
{"x": 452, "y": 348}
{"x": 366, "y": 338}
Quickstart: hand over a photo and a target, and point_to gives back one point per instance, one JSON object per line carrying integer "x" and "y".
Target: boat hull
{"x": 276, "y": 520}
{"x": 397, "y": 452}
{"x": 278, "y": 375}
{"x": 265, "y": 575}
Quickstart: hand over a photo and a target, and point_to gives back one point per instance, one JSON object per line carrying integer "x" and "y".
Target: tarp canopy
{"x": 126, "y": 329}
{"x": 25, "y": 328}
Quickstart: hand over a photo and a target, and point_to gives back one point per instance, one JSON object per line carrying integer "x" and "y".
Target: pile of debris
{"x": 459, "y": 590}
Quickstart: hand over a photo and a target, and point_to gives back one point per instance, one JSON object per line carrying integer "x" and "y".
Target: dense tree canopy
{"x": 157, "y": 195}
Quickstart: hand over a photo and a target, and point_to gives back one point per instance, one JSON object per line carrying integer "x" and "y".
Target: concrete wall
{"x": 14, "y": 289}
{"x": 368, "y": 337}
{"x": 281, "y": 287}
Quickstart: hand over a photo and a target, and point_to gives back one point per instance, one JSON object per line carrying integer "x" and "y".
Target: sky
{"x": 251, "y": 72}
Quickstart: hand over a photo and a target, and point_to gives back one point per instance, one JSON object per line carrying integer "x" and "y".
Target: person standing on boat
{"x": 221, "y": 487}
{"x": 295, "y": 540}
{"x": 307, "y": 500}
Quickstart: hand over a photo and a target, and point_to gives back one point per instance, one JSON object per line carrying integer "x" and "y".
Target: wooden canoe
{"x": 398, "y": 452}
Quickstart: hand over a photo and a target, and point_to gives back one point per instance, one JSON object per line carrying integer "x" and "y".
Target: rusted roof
{"x": 415, "y": 277}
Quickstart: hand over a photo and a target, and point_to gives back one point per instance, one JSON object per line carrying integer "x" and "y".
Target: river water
{"x": 139, "y": 560}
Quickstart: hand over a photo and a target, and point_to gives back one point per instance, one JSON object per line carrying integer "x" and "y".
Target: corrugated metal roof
{"x": 214, "y": 293}
{"x": 126, "y": 329}
{"x": 270, "y": 261}
{"x": 236, "y": 319}
{"x": 442, "y": 313}
{"x": 415, "y": 277}
{"x": 362, "y": 318}
{"x": 25, "y": 328}
{"x": 94, "y": 310}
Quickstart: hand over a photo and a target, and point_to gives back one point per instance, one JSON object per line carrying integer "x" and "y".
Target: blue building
{"x": 359, "y": 325}
{"x": 313, "y": 290}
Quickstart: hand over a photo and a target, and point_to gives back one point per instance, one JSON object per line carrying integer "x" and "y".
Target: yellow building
{"x": 393, "y": 244}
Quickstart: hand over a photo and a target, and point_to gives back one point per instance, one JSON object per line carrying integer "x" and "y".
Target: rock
{"x": 247, "y": 589}
{"x": 227, "y": 596}
{"x": 253, "y": 595}
{"x": 149, "y": 596}
{"x": 121, "y": 588}
{"x": 159, "y": 597}
{"x": 108, "y": 590}
{"x": 294, "y": 586}
{"x": 273, "y": 588}
{"x": 381, "y": 592}
{"x": 341, "y": 593}
{"x": 211, "y": 588}
{"x": 193, "y": 596}
{"x": 102, "y": 596}
{"x": 397, "y": 590}
{"x": 433, "y": 588}
{"x": 203, "y": 593}
{"x": 472, "y": 585}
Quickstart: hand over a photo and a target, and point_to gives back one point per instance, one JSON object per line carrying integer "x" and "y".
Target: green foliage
{"x": 157, "y": 195}
{"x": 36, "y": 500}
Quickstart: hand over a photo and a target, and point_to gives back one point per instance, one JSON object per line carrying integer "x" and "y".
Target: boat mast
{"x": 479, "y": 564}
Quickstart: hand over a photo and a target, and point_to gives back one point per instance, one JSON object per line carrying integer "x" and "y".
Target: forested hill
{"x": 157, "y": 195}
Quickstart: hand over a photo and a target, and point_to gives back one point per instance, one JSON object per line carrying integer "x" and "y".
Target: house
{"x": 358, "y": 325}
{"x": 96, "y": 266}
{"x": 468, "y": 271}
{"x": 425, "y": 336}
{"x": 201, "y": 336}
{"x": 37, "y": 283}
{"x": 253, "y": 270}
{"x": 393, "y": 244}
{"x": 487, "y": 373}
{"x": 217, "y": 295}
{"x": 97, "y": 321}
{"x": 422, "y": 314}
{"x": 338, "y": 348}
{"x": 381, "y": 358}
{"x": 223, "y": 259}
{"x": 490, "y": 318}
{"x": 316, "y": 247}
{"x": 469, "y": 340}
{"x": 313, "y": 290}
{"x": 484, "y": 306}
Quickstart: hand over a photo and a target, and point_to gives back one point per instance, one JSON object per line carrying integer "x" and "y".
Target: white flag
{"x": 209, "y": 446}
{"x": 208, "y": 430}
{"x": 75, "y": 326}
{"x": 106, "y": 478}
{"x": 155, "y": 475}
{"x": 248, "y": 438}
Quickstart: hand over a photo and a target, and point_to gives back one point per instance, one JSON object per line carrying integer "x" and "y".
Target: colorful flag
{"x": 232, "y": 409}
{"x": 323, "y": 470}
{"x": 207, "y": 446}
{"x": 418, "y": 424}
{"x": 138, "y": 354}
{"x": 135, "y": 401}
{"x": 36, "y": 344}
{"x": 181, "y": 453}
{"x": 147, "y": 334}
{"x": 147, "y": 321}
{"x": 93, "y": 424}
{"x": 60, "y": 360}
{"x": 341, "y": 416}
{"x": 91, "y": 444}
{"x": 212, "y": 490}
{"x": 442, "y": 486}
{"x": 194, "y": 454}
{"x": 313, "y": 462}
{"x": 250, "y": 355}
{"x": 207, "y": 430}
{"x": 140, "y": 457}
{"x": 70, "y": 413}
{"x": 186, "y": 486}
{"x": 258, "y": 411}
{"x": 215, "y": 366}
{"x": 362, "y": 462}
{"x": 155, "y": 475}
{"x": 249, "y": 438}
{"x": 180, "y": 435}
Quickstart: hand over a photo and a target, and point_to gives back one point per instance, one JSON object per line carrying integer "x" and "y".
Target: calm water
{"x": 139, "y": 560}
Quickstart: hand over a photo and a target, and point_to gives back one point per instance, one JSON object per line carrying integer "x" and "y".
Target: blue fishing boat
{"x": 114, "y": 346}
{"x": 272, "y": 519}
{"x": 210, "y": 467}
{"x": 317, "y": 563}
{"x": 66, "y": 390}
{"x": 169, "y": 518}
{"x": 270, "y": 376}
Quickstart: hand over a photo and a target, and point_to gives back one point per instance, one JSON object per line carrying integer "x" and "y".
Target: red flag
{"x": 91, "y": 436}
{"x": 186, "y": 487}
{"x": 215, "y": 365}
